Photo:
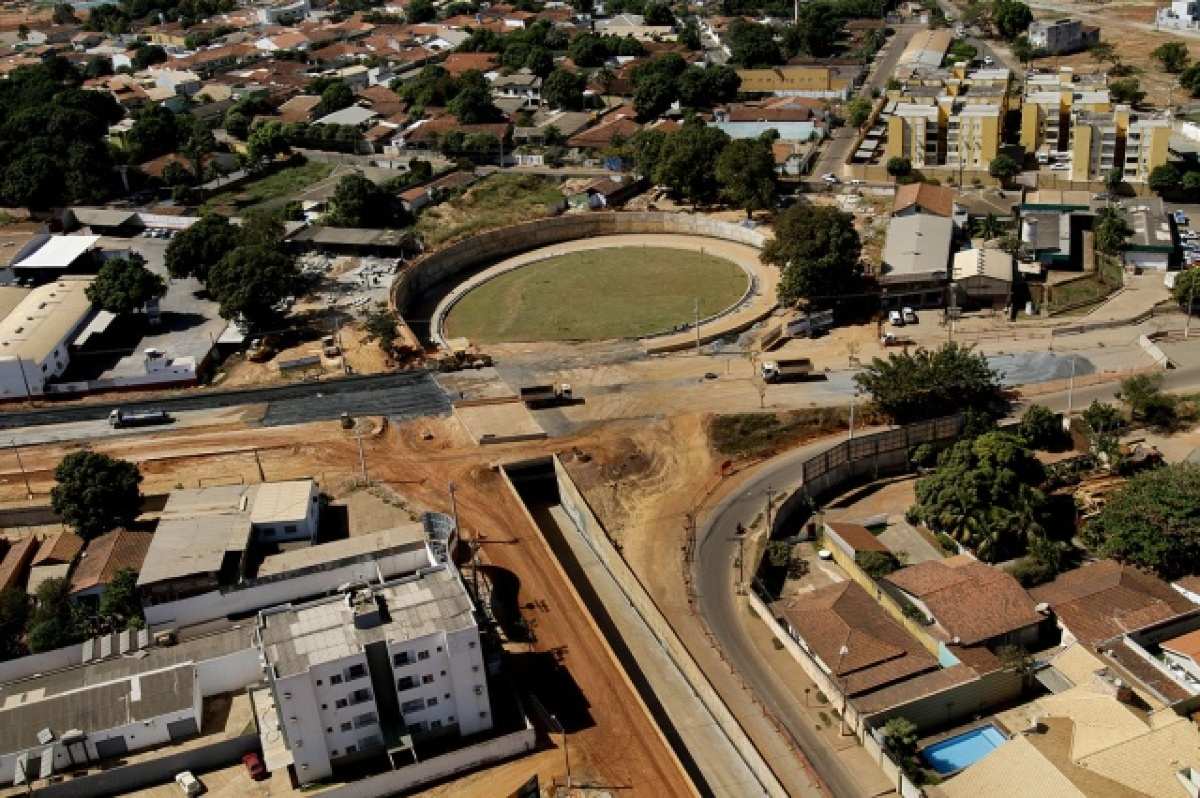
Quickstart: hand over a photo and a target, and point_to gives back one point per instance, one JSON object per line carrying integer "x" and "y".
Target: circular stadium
{"x": 595, "y": 277}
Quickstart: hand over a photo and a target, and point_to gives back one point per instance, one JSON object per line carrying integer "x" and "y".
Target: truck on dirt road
{"x": 546, "y": 395}
{"x": 120, "y": 418}
{"x": 796, "y": 368}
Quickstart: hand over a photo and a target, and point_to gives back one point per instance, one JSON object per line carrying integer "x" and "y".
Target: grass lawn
{"x": 496, "y": 201}
{"x": 280, "y": 185}
{"x": 622, "y": 292}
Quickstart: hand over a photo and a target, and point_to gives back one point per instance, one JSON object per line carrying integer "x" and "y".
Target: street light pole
{"x": 21, "y": 466}
{"x": 1187, "y": 321}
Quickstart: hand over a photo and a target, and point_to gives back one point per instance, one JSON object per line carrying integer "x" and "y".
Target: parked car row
{"x": 899, "y": 318}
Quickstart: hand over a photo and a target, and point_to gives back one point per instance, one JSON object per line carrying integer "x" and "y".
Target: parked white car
{"x": 895, "y": 318}
{"x": 909, "y": 315}
{"x": 189, "y": 783}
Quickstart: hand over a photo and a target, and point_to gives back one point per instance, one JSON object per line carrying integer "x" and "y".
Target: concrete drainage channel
{"x": 711, "y": 746}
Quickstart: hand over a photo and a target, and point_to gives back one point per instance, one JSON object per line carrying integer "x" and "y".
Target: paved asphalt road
{"x": 401, "y": 395}
{"x": 723, "y": 611}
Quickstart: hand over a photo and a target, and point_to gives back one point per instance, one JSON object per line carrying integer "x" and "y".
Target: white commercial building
{"x": 35, "y": 335}
{"x": 375, "y": 669}
{"x": 1181, "y": 14}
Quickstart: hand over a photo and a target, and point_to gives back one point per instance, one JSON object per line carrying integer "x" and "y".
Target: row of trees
{"x": 701, "y": 164}
{"x": 668, "y": 79}
{"x": 468, "y": 97}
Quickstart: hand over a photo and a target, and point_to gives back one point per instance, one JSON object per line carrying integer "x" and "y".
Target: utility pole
{"x": 21, "y": 466}
{"x": 566, "y": 753}
{"x": 741, "y": 541}
{"x": 696, "y": 315}
{"x": 1071, "y": 389}
{"x": 362, "y": 457}
{"x": 258, "y": 462}
{"x": 770, "y": 499}
{"x": 1187, "y": 322}
{"x": 852, "y": 398}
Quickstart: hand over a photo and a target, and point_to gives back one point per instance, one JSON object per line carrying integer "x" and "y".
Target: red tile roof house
{"x": 15, "y": 565}
{"x": 971, "y": 604}
{"x": 852, "y": 638}
{"x": 104, "y": 556}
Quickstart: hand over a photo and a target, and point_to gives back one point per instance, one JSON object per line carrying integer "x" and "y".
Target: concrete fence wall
{"x": 577, "y": 507}
{"x": 439, "y": 767}
{"x": 127, "y": 778}
{"x": 493, "y": 245}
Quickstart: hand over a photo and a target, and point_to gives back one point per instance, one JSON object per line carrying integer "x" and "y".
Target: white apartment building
{"x": 36, "y": 333}
{"x": 375, "y": 668}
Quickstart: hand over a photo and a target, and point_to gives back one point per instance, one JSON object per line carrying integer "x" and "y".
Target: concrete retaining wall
{"x": 494, "y": 245}
{"x": 576, "y": 506}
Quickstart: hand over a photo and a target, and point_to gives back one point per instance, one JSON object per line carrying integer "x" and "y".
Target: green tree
{"x": 877, "y": 564}
{"x": 54, "y": 622}
{"x": 1103, "y": 51}
{"x": 858, "y": 111}
{"x": 1126, "y": 90}
{"x": 753, "y": 45}
{"x": 1187, "y": 289}
{"x": 145, "y": 55}
{"x": 899, "y": 167}
{"x": 155, "y": 132}
{"x": 564, "y": 89}
{"x": 746, "y": 174}
{"x": 1164, "y": 179}
{"x": 380, "y": 326}
{"x": 1023, "y": 49}
{"x": 654, "y": 95}
{"x": 1172, "y": 55}
{"x": 984, "y": 494}
{"x": 266, "y": 141}
{"x": 900, "y": 736}
{"x": 656, "y": 13}
{"x": 1153, "y": 522}
{"x": 419, "y": 11}
{"x": 540, "y": 61}
{"x": 95, "y": 493}
{"x": 913, "y": 386}
{"x": 1102, "y": 424}
{"x": 1011, "y": 18}
{"x": 1004, "y": 168}
{"x": 64, "y": 14}
{"x": 1041, "y": 428}
{"x": 1111, "y": 231}
{"x": 1191, "y": 183}
{"x": 250, "y": 281}
{"x": 817, "y": 251}
{"x": 473, "y": 102}
{"x": 358, "y": 202}
{"x": 687, "y": 165}
{"x": 120, "y": 604}
{"x": 14, "y": 613}
{"x": 988, "y": 227}
{"x": 194, "y": 251}
{"x": 1113, "y": 179}
{"x": 1147, "y": 402}
{"x": 334, "y": 97}
{"x": 689, "y": 37}
{"x": 124, "y": 285}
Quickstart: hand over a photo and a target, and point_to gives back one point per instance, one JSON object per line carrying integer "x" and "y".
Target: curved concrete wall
{"x": 496, "y": 244}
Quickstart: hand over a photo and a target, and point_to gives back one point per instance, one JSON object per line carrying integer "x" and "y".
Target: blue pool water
{"x": 956, "y": 753}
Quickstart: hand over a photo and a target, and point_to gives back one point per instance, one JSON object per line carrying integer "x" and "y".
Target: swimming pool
{"x": 954, "y": 754}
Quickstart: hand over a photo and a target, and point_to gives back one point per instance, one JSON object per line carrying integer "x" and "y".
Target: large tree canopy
{"x": 686, "y": 164}
{"x": 194, "y": 251}
{"x": 123, "y": 285}
{"x": 817, "y": 250}
{"x": 1153, "y": 521}
{"x": 984, "y": 494}
{"x": 95, "y": 493}
{"x": 358, "y": 202}
{"x": 925, "y": 384}
{"x": 52, "y": 137}
{"x": 250, "y": 281}
{"x": 746, "y": 174}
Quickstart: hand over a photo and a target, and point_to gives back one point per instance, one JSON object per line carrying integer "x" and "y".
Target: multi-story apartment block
{"x": 1102, "y": 142}
{"x": 914, "y": 133}
{"x": 1146, "y": 148}
{"x": 1050, "y": 101}
{"x": 375, "y": 669}
{"x": 1181, "y": 14}
{"x": 973, "y": 135}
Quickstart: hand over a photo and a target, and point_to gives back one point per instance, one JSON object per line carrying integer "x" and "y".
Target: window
{"x": 406, "y": 683}
{"x": 483, "y": 714}
{"x": 334, "y": 752}
{"x": 320, "y": 682}
{"x": 350, "y": 749}
{"x": 365, "y": 719}
{"x": 439, "y": 649}
{"x": 356, "y": 672}
{"x": 324, "y": 706}
{"x": 417, "y": 727}
{"x": 340, "y": 703}
{"x": 443, "y": 673}
{"x": 414, "y": 705}
{"x": 402, "y": 659}
{"x": 360, "y": 695}
{"x": 450, "y": 719}
{"x": 479, "y": 689}
{"x": 431, "y": 702}
{"x": 329, "y": 730}
{"x": 289, "y": 529}
{"x": 446, "y": 696}
{"x": 335, "y": 678}
{"x": 435, "y": 724}
{"x": 475, "y": 668}
{"x": 347, "y": 726}
{"x": 422, "y": 655}
{"x": 427, "y": 679}
{"x": 471, "y": 644}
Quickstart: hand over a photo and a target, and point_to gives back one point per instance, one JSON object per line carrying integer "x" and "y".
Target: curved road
{"x": 723, "y": 612}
